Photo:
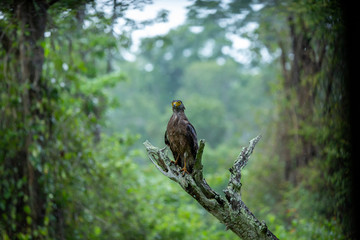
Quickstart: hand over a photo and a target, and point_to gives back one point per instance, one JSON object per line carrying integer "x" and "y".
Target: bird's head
{"x": 177, "y": 105}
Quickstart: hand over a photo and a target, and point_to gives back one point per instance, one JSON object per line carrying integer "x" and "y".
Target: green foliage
{"x": 172, "y": 214}
{"x": 210, "y": 115}
{"x": 104, "y": 200}
{"x": 48, "y": 161}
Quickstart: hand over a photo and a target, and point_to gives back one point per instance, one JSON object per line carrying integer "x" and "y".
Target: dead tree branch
{"x": 231, "y": 211}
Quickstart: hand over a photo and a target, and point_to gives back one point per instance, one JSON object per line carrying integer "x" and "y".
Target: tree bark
{"x": 300, "y": 88}
{"x": 230, "y": 211}
{"x": 25, "y": 57}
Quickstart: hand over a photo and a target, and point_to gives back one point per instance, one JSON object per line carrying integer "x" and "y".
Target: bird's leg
{"x": 177, "y": 159}
{"x": 184, "y": 168}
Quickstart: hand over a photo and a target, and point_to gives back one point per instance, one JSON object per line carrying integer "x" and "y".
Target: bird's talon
{"x": 184, "y": 170}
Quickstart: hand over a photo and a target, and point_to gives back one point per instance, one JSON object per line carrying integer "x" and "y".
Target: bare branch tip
{"x": 147, "y": 143}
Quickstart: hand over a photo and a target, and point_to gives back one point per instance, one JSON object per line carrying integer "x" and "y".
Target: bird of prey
{"x": 180, "y": 136}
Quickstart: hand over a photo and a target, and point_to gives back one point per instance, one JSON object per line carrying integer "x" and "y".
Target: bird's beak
{"x": 176, "y": 103}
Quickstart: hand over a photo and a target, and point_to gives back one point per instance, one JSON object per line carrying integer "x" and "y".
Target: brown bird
{"x": 180, "y": 136}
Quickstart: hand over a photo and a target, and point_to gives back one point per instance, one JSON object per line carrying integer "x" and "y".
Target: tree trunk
{"x": 230, "y": 211}
{"x": 25, "y": 58}
{"x": 300, "y": 96}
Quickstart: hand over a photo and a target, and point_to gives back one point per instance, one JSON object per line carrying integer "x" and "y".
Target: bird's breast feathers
{"x": 177, "y": 125}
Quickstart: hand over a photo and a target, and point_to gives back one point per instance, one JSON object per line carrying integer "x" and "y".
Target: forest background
{"x": 76, "y": 104}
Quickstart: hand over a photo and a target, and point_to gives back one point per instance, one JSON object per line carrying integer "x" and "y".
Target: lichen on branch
{"x": 231, "y": 211}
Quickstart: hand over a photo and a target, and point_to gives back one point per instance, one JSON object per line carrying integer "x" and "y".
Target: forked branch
{"x": 231, "y": 211}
